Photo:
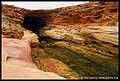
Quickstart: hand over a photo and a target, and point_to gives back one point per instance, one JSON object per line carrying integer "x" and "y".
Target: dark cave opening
{"x": 33, "y": 23}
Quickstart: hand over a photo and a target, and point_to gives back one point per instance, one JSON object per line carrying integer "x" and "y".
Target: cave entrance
{"x": 33, "y": 23}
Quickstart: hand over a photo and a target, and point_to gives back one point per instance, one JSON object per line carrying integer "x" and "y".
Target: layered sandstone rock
{"x": 91, "y": 49}
{"x": 17, "y": 61}
{"x": 103, "y": 33}
{"x": 61, "y": 33}
{"x": 92, "y": 12}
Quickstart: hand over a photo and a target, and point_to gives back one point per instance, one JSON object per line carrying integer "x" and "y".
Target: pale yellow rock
{"x": 103, "y": 33}
{"x": 66, "y": 35}
{"x": 28, "y": 35}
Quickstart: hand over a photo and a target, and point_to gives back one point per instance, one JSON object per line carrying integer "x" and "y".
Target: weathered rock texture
{"x": 76, "y": 41}
{"x": 84, "y": 14}
{"x": 17, "y": 61}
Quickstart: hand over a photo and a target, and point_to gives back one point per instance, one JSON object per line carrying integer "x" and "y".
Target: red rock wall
{"x": 92, "y": 12}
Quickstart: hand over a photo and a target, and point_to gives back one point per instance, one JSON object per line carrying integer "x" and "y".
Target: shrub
{"x": 3, "y": 9}
{"x": 112, "y": 24}
{"x": 50, "y": 27}
{"x": 8, "y": 20}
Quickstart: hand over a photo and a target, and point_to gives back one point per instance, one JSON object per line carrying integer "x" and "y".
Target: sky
{"x": 43, "y": 4}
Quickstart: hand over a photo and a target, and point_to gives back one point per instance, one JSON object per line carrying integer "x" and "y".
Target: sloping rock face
{"x": 76, "y": 41}
{"x": 11, "y": 45}
{"x": 84, "y": 14}
{"x": 92, "y": 52}
{"x": 14, "y": 13}
{"x": 17, "y": 61}
{"x": 60, "y": 32}
{"x": 103, "y": 33}
{"x": 93, "y": 12}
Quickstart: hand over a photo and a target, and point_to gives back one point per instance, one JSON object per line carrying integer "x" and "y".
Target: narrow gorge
{"x": 73, "y": 42}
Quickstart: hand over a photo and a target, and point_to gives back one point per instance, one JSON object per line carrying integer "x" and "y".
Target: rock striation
{"x": 17, "y": 61}
{"x": 84, "y": 14}
{"x": 93, "y": 12}
{"x": 74, "y": 41}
